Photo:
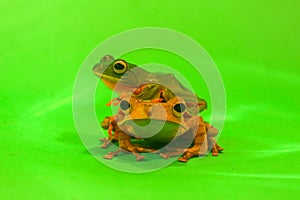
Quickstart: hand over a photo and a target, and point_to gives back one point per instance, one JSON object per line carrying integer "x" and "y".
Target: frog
{"x": 177, "y": 126}
{"x": 124, "y": 77}
{"x": 109, "y": 123}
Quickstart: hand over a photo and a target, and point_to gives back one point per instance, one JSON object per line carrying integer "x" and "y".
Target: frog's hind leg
{"x": 109, "y": 124}
{"x": 200, "y": 145}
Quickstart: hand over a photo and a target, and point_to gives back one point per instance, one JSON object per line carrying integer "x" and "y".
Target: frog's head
{"x": 111, "y": 71}
{"x": 159, "y": 122}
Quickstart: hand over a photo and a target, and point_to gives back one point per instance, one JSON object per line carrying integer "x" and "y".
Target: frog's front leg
{"x": 125, "y": 144}
{"x": 109, "y": 124}
{"x": 200, "y": 143}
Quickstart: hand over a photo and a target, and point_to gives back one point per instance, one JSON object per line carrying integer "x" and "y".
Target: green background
{"x": 255, "y": 46}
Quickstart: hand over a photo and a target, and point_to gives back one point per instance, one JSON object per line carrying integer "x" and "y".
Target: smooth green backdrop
{"x": 255, "y": 45}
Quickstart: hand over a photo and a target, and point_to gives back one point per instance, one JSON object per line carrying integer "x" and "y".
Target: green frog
{"x": 124, "y": 77}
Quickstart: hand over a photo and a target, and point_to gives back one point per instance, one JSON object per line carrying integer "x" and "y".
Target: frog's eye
{"x": 125, "y": 106}
{"x": 178, "y": 109}
{"x": 120, "y": 66}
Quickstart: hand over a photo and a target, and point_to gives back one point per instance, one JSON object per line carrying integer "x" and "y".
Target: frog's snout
{"x": 107, "y": 58}
{"x": 100, "y": 67}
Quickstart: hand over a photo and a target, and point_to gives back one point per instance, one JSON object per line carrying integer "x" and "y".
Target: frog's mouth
{"x": 107, "y": 77}
{"x": 154, "y": 129}
{"x": 109, "y": 81}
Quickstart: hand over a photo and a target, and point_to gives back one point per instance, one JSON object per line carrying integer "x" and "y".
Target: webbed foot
{"x": 216, "y": 149}
{"x": 110, "y": 155}
{"x": 194, "y": 151}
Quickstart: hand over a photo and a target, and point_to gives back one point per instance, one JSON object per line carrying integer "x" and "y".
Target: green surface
{"x": 255, "y": 46}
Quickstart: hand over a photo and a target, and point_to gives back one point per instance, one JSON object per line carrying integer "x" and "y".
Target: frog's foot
{"x": 110, "y": 155}
{"x": 215, "y": 147}
{"x": 135, "y": 150}
{"x": 173, "y": 153}
{"x": 219, "y": 148}
{"x": 195, "y": 151}
{"x": 138, "y": 156}
{"x": 126, "y": 145}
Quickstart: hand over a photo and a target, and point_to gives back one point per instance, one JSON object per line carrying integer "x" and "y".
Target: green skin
{"x": 145, "y": 85}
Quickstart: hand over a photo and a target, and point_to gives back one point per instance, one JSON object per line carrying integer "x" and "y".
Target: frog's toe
{"x": 165, "y": 155}
{"x": 214, "y": 153}
{"x": 183, "y": 159}
{"x": 108, "y": 156}
{"x": 216, "y": 149}
{"x": 219, "y": 148}
{"x": 138, "y": 156}
{"x": 189, "y": 153}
